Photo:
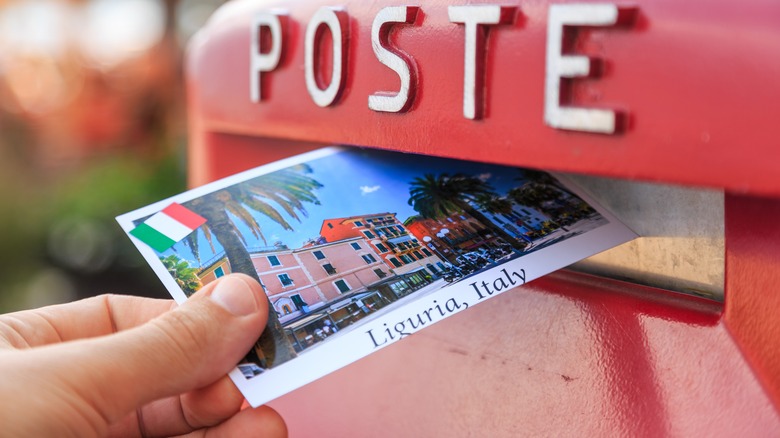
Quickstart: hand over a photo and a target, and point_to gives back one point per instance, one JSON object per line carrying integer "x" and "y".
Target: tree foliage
{"x": 534, "y": 194}
{"x": 439, "y": 196}
{"x": 184, "y": 275}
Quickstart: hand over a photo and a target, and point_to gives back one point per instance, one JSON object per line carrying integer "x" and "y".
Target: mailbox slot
{"x": 681, "y": 247}
{"x": 682, "y": 243}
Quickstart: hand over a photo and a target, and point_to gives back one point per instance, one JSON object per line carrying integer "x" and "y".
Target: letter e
{"x": 570, "y": 66}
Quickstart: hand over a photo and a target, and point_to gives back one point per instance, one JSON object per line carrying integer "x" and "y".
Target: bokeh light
{"x": 91, "y": 126}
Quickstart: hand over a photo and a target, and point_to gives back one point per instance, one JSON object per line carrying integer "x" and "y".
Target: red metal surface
{"x": 752, "y": 279}
{"x": 569, "y": 354}
{"x": 697, "y": 78}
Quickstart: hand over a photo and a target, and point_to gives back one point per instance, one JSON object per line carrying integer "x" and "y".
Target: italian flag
{"x": 168, "y": 227}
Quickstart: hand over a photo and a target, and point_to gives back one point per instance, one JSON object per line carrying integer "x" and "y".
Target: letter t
{"x": 475, "y": 19}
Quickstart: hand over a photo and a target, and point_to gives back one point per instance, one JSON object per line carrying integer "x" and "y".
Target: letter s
{"x": 406, "y": 69}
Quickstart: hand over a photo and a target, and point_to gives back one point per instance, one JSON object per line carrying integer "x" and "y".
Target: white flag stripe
{"x": 168, "y": 226}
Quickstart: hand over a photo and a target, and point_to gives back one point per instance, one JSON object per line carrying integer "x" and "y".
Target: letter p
{"x": 264, "y": 59}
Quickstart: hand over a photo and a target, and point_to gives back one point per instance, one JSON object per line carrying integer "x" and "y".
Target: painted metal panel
{"x": 697, "y": 81}
{"x": 570, "y": 354}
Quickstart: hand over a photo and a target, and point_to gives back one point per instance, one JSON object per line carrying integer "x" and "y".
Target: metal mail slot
{"x": 681, "y": 243}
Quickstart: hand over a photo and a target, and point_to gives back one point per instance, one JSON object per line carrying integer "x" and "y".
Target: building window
{"x": 401, "y": 228}
{"x": 369, "y": 234}
{"x": 219, "y": 272}
{"x": 285, "y": 279}
{"x": 330, "y": 225}
{"x": 329, "y": 268}
{"x": 381, "y": 247}
{"x": 318, "y": 255}
{"x": 298, "y": 301}
{"x": 358, "y": 223}
{"x": 341, "y": 285}
{"x": 368, "y": 258}
{"x": 286, "y": 309}
{"x": 274, "y": 260}
{"x": 418, "y": 255}
{"x": 355, "y": 246}
{"x": 426, "y": 252}
{"x": 406, "y": 259}
{"x": 380, "y": 273}
{"x": 395, "y": 262}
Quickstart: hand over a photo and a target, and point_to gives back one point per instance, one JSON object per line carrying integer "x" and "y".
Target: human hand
{"x": 130, "y": 366}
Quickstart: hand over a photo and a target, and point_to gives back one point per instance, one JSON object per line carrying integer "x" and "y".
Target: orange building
{"x": 450, "y": 236}
{"x": 389, "y": 238}
{"x": 214, "y": 269}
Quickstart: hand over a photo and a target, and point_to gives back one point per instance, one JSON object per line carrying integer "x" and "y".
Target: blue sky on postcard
{"x": 357, "y": 182}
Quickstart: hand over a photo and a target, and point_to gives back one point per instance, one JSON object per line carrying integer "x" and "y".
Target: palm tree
{"x": 544, "y": 178}
{"x": 494, "y": 204}
{"x": 534, "y": 195}
{"x": 439, "y": 196}
{"x": 541, "y": 177}
{"x": 498, "y": 205}
{"x": 287, "y": 189}
{"x": 183, "y": 273}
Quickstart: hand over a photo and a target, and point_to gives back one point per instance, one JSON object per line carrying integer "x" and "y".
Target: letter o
{"x": 335, "y": 19}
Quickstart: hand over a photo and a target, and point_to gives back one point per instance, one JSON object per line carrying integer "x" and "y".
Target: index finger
{"x": 87, "y": 318}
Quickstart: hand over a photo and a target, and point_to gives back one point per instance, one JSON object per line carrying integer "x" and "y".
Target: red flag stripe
{"x": 186, "y": 217}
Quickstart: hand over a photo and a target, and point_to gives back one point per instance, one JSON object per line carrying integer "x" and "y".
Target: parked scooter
{"x": 452, "y": 273}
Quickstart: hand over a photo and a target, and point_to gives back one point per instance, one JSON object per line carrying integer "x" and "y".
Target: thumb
{"x": 184, "y": 349}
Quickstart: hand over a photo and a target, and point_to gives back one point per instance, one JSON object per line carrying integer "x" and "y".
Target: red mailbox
{"x": 679, "y": 93}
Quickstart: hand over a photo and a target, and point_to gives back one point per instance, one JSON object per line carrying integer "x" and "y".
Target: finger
{"x": 211, "y": 405}
{"x": 261, "y": 422}
{"x": 87, "y": 318}
{"x": 194, "y": 410}
{"x": 184, "y": 349}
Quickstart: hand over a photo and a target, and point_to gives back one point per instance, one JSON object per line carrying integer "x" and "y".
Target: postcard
{"x": 357, "y": 249}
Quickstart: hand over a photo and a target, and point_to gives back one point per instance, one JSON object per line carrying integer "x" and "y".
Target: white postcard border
{"x": 336, "y": 353}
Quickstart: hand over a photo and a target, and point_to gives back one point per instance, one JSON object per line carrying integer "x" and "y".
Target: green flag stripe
{"x": 148, "y": 235}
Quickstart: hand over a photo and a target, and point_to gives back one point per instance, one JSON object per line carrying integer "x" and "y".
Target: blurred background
{"x": 92, "y": 125}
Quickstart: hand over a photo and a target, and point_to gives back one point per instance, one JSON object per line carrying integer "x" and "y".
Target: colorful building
{"x": 452, "y": 235}
{"x": 521, "y": 222}
{"x": 211, "y": 270}
{"x": 298, "y": 281}
{"x": 319, "y": 274}
{"x": 399, "y": 249}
